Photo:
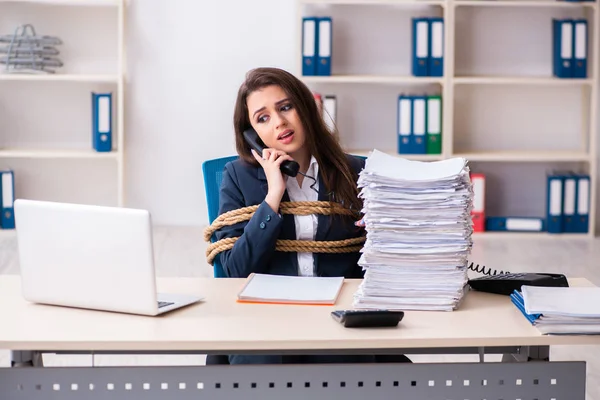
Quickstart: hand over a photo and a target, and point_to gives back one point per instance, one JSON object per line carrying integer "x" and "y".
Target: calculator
{"x": 507, "y": 283}
{"x": 367, "y": 318}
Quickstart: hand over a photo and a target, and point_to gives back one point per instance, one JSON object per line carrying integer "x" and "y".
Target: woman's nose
{"x": 279, "y": 120}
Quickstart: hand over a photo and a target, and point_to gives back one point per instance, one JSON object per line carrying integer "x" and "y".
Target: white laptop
{"x": 90, "y": 257}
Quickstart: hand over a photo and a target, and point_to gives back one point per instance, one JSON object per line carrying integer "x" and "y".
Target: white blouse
{"x": 306, "y": 225}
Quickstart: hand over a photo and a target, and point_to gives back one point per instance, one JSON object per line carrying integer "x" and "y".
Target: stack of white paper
{"x": 418, "y": 222}
{"x": 563, "y": 310}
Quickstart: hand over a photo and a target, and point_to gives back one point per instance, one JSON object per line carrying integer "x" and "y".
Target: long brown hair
{"x": 338, "y": 177}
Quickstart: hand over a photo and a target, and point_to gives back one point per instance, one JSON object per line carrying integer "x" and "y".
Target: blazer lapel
{"x": 323, "y": 221}
{"x": 260, "y": 174}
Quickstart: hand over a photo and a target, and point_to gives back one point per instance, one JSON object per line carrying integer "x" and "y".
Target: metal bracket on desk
{"x": 528, "y": 353}
{"x": 540, "y": 380}
{"x": 426, "y": 350}
{"x": 26, "y": 358}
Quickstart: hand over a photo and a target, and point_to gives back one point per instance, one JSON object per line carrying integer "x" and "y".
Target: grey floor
{"x": 180, "y": 252}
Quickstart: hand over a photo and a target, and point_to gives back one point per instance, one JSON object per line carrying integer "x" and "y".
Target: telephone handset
{"x": 288, "y": 167}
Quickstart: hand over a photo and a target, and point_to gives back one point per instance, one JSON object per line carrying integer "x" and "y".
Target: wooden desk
{"x": 222, "y": 325}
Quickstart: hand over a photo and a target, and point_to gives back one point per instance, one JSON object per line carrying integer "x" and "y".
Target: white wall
{"x": 186, "y": 60}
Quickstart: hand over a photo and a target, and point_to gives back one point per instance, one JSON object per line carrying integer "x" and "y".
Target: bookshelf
{"x": 502, "y": 108}
{"x": 46, "y": 137}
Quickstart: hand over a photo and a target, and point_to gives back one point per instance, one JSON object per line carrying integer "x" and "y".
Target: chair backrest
{"x": 212, "y": 170}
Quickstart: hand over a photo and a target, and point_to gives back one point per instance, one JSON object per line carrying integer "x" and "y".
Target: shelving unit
{"x": 515, "y": 80}
{"x": 61, "y": 78}
{"x": 94, "y": 60}
{"x": 57, "y": 154}
{"x": 371, "y": 65}
{"x": 372, "y": 79}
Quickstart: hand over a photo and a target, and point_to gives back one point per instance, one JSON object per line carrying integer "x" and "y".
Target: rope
{"x": 296, "y": 208}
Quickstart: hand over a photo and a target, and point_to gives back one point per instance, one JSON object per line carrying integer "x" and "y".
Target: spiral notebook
{"x": 262, "y": 288}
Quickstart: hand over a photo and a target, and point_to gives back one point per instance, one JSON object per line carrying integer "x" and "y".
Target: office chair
{"x": 212, "y": 170}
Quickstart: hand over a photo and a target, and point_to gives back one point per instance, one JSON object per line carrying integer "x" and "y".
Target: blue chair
{"x": 212, "y": 170}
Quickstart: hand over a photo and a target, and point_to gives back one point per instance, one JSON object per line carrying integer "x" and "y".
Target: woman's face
{"x": 275, "y": 119}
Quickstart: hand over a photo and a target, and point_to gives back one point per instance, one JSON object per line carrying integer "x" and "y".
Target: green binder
{"x": 434, "y": 124}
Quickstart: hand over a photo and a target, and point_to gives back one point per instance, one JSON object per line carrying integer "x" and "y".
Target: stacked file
{"x": 419, "y": 227}
{"x": 560, "y": 310}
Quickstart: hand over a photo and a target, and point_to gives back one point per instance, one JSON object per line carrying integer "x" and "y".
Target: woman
{"x": 283, "y": 112}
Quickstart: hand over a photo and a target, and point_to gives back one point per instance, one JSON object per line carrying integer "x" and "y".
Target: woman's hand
{"x": 271, "y": 162}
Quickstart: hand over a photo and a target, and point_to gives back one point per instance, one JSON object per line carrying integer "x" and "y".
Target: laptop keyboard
{"x": 162, "y": 304}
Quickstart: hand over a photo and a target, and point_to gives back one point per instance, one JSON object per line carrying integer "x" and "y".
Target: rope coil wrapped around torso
{"x": 292, "y": 207}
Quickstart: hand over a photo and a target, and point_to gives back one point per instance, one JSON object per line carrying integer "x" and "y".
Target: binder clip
{"x": 26, "y": 52}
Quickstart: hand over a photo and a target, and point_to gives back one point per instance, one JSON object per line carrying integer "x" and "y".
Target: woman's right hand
{"x": 271, "y": 162}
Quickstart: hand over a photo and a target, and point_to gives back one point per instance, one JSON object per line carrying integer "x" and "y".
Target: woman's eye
{"x": 286, "y": 107}
{"x": 262, "y": 118}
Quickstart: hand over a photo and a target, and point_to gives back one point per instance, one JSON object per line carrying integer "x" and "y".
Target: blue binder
{"x": 580, "y": 48}
{"x": 517, "y": 299}
{"x": 555, "y": 203}
{"x": 324, "y": 34}
{"x": 420, "y": 46}
{"x": 419, "y": 125}
{"x": 514, "y": 224}
{"x": 582, "y": 210}
{"x": 562, "y": 36}
{"x": 405, "y": 125}
{"x": 309, "y": 46}
{"x": 436, "y": 47}
{"x": 7, "y": 199}
{"x": 569, "y": 196}
{"x": 102, "y": 122}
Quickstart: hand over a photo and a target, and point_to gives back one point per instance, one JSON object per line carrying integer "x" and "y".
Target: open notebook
{"x": 291, "y": 289}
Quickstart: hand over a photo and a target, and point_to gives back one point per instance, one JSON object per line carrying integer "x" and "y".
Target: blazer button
{"x": 268, "y": 218}
{"x": 262, "y": 225}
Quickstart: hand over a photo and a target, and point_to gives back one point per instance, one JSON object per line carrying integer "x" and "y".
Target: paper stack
{"x": 560, "y": 310}
{"x": 419, "y": 227}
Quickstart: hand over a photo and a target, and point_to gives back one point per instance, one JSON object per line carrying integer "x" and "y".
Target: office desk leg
{"x": 529, "y": 353}
{"x": 26, "y": 358}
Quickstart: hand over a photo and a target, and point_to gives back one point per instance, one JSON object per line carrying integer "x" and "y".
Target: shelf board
{"x": 379, "y": 2}
{"x": 7, "y": 233}
{"x": 516, "y": 80}
{"x": 79, "y": 3}
{"x": 416, "y": 157}
{"x": 524, "y": 3}
{"x": 528, "y": 235}
{"x": 373, "y": 79}
{"x": 504, "y": 156}
{"x": 525, "y": 156}
{"x": 60, "y": 77}
{"x": 56, "y": 154}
